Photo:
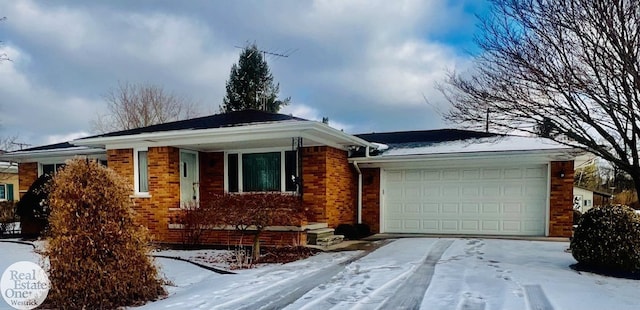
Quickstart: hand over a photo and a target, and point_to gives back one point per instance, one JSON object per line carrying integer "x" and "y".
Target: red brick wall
{"x": 561, "y": 199}
{"x": 211, "y": 174}
{"x": 329, "y": 187}
{"x": 27, "y": 174}
{"x": 314, "y": 182}
{"x": 164, "y": 186}
{"x": 341, "y": 188}
{"x": 371, "y": 198}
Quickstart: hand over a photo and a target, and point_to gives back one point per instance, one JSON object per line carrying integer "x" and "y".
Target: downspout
{"x": 355, "y": 165}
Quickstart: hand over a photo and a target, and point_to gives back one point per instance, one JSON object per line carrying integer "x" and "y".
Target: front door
{"x": 188, "y": 176}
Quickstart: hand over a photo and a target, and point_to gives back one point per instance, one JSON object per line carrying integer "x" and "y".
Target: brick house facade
{"x": 326, "y": 168}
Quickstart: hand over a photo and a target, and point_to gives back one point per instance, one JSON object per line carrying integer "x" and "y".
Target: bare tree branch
{"x": 565, "y": 69}
{"x": 138, "y": 105}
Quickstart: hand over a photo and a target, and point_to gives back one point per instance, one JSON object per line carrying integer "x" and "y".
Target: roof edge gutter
{"x": 571, "y": 153}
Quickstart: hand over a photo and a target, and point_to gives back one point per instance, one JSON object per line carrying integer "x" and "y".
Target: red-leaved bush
{"x": 248, "y": 213}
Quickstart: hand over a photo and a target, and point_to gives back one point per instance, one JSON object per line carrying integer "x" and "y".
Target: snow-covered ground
{"x": 467, "y": 274}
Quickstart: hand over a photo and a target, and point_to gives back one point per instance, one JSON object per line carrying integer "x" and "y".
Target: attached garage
{"x": 496, "y": 200}
{"x": 465, "y": 183}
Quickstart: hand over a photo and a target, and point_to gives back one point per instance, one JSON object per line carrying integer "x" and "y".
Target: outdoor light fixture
{"x": 562, "y": 173}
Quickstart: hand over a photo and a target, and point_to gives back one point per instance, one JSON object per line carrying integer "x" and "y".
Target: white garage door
{"x": 491, "y": 201}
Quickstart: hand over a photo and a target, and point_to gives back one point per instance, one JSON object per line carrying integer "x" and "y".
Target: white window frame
{"x": 136, "y": 174}
{"x": 283, "y": 180}
{"x": 5, "y": 192}
{"x": 55, "y": 167}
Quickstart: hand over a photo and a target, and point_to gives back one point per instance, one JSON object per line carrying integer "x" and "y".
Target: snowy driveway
{"x": 412, "y": 273}
{"x": 442, "y": 273}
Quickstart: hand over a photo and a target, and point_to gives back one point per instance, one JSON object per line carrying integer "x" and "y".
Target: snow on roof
{"x": 488, "y": 144}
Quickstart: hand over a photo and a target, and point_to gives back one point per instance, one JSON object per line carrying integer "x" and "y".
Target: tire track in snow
{"x": 293, "y": 290}
{"x": 410, "y": 294}
{"x": 536, "y": 299}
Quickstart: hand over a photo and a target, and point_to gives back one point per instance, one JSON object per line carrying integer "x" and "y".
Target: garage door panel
{"x": 491, "y": 208}
{"x": 450, "y": 190}
{"x": 449, "y": 226}
{"x": 512, "y": 226}
{"x": 430, "y": 225}
{"x": 470, "y": 225}
{"x": 491, "y": 174}
{"x": 513, "y": 190}
{"x": 412, "y": 225}
{"x": 471, "y": 191}
{"x": 412, "y": 208}
{"x": 413, "y": 192}
{"x": 451, "y": 174}
{"x": 470, "y": 209}
{"x": 431, "y": 208}
{"x": 508, "y": 200}
{"x": 535, "y": 173}
{"x": 491, "y": 190}
{"x": 491, "y": 226}
{"x": 471, "y": 174}
{"x": 449, "y": 208}
{"x": 413, "y": 176}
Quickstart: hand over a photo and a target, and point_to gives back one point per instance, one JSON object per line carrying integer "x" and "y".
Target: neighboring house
{"x": 585, "y": 199}
{"x": 439, "y": 181}
{"x": 8, "y": 181}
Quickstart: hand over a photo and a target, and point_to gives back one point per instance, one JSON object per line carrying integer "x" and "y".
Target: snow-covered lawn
{"x": 469, "y": 274}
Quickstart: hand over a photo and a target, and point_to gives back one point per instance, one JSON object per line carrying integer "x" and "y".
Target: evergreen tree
{"x": 251, "y": 86}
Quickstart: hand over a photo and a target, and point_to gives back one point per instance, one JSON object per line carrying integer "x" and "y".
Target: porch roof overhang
{"x": 250, "y": 136}
{"x": 53, "y": 155}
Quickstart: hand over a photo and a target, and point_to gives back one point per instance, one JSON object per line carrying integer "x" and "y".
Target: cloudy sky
{"x": 366, "y": 65}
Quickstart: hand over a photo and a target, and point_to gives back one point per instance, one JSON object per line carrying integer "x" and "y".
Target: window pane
{"x": 3, "y": 192}
{"x": 59, "y": 166}
{"x": 49, "y": 169}
{"x": 143, "y": 176}
{"x": 232, "y": 166}
{"x": 10, "y": 192}
{"x": 261, "y": 172}
{"x": 290, "y": 168}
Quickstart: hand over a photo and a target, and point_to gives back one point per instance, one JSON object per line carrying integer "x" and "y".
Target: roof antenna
{"x": 260, "y": 97}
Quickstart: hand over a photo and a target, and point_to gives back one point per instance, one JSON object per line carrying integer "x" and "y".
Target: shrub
{"x": 363, "y": 230}
{"x": 195, "y": 220}
{"x": 33, "y": 208}
{"x": 7, "y": 216}
{"x": 608, "y": 239}
{"x": 576, "y": 217}
{"x": 97, "y": 253}
{"x": 348, "y": 231}
{"x": 253, "y": 213}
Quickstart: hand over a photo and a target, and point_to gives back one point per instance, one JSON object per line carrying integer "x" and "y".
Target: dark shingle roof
{"x": 63, "y": 145}
{"x": 208, "y": 122}
{"x": 424, "y": 136}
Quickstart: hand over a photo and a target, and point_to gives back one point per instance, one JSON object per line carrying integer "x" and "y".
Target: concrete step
{"x": 316, "y": 234}
{"x": 329, "y": 240}
{"x": 315, "y": 225}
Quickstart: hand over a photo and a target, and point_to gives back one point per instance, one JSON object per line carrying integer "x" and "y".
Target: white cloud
{"x": 51, "y": 139}
{"x": 304, "y": 111}
{"x": 363, "y": 64}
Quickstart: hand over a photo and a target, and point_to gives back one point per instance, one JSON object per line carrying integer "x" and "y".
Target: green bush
{"x": 97, "y": 253}
{"x": 608, "y": 239}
